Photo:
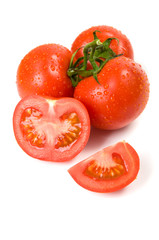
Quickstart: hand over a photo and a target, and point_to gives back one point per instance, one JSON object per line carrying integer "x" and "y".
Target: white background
{"x": 39, "y": 200}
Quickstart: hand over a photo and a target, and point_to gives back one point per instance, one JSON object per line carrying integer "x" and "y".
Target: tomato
{"x": 51, "y": 129}
{"x": 123, "y": 47}
{"x": 43, "y": 72}
{"x": 119, "y": 97}
{"x": 108, "y": 170}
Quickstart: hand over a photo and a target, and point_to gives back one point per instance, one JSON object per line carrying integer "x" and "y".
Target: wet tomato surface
{"x": 43, "y": 72}
{"x": 120, "y": 96}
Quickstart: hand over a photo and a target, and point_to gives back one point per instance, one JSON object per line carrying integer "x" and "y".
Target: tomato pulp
{"x": 108, "y": 170}
{"x": 51, "y": 129}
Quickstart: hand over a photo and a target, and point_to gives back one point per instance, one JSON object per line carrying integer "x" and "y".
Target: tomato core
{"x": 37, "y": 130}
{"x": 111, "y": 168}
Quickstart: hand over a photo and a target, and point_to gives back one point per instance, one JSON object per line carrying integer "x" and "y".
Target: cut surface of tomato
{"x": 108, "y": 170}
{"x": 51, "y": 129}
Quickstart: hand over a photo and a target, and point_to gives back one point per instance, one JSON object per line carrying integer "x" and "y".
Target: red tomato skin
{"x": 77, "y": 171}
{"x": 48, "y": 153}
{"x": 123, "y": 47}
{"x": 120, "y": 97}
{"x": 43, "y": 72}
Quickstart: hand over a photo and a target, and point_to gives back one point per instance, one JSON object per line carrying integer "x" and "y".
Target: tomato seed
{"x": 28, "y": 130}
{"x": 94, "y": 170}
{"x": 73, "y": 132}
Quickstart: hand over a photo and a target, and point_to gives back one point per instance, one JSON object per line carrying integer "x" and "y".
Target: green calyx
{"x": 97, "y": 54}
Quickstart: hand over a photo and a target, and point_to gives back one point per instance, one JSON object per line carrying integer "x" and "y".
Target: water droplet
{"x": 106, "y": 86}
{"x": 112, "y": 98}
{"x": 99, "y": 93}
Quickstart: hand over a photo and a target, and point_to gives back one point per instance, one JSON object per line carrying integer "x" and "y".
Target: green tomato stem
{"x": 97, "y": 54}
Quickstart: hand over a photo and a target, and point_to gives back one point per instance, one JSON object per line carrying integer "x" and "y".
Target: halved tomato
{"x": 51, "y": 129}
{"x": 108, "y": 170}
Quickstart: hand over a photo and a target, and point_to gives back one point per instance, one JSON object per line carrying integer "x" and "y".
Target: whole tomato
{"x": 122, "y": 47}
{"x": 119, "y": 97}
{"x": 43, "y": 71}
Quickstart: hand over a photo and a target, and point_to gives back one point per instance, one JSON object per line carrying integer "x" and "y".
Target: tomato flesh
{"x": 72, "y": 133}
{"x": 51, "y": 129}
{"x": 29, "y": 118}
{"x": 112, "y": 167}
{"x": 33, "y": 128}
{"x": 108, "y": 170}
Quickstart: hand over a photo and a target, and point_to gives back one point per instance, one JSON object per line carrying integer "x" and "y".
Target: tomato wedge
{"x": 51, "y": 129}
{"x": 108, "y": 170}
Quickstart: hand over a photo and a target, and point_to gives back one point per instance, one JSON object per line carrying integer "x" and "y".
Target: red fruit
{"x": 51, "y": 129}
{"x": 43, "y": 71}
{"x": 108, "y": 170}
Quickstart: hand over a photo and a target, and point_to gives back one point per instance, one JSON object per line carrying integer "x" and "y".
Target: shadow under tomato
{"x": 102, "y": 138}
{"x": 145, "y": 171}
